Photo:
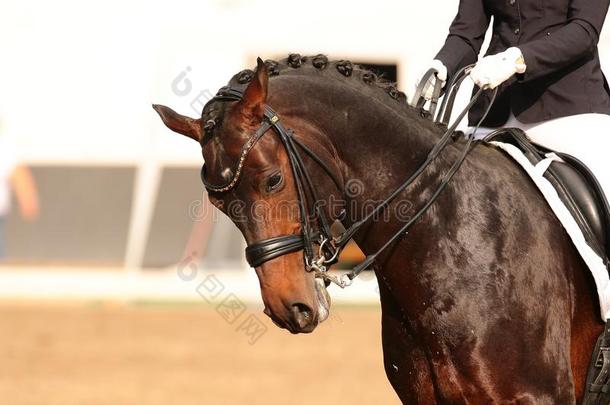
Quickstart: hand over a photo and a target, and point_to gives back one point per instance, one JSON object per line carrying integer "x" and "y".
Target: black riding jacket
{"x": 558, "y": 39}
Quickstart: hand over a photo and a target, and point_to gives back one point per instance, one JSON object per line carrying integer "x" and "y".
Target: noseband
{"x": 320, "y": 248}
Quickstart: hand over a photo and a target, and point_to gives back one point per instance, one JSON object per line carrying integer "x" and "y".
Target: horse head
{"x": 263, "y": 203}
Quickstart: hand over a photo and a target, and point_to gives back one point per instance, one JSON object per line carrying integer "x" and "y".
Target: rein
{"x": 320, "y": 248}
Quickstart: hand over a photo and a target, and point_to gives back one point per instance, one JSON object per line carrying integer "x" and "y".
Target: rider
{"x": 543, "y": 56}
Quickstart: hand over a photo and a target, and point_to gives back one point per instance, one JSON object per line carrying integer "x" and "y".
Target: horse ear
{"x": 179, "y": 123}
{"x": 252, "y": 104}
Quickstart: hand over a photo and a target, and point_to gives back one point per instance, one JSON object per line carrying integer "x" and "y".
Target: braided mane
{"x": 363, "y": 76}
{"x": 358, "y": 76}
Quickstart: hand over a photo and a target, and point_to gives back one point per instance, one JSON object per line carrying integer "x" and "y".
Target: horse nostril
{"x": 302, "y": 314}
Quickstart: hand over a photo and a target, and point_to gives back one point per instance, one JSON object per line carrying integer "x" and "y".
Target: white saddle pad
{"x": 595, "y": 263}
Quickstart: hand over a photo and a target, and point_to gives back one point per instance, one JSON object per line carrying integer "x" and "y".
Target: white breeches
{"x": 584, "y": 136}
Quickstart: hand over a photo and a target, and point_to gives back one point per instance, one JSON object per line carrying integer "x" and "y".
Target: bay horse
{"x": 485, "y": 300}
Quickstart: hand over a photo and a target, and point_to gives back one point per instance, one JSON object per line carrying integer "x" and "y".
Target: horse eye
{"x": 274, "y": 182}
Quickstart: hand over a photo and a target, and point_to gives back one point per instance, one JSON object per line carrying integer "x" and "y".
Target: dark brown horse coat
{"x": 484, "y": 301}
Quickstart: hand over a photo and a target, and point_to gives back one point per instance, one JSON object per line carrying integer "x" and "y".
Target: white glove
{"x": 441, "y": 75}
{"x": 494, "y": 70}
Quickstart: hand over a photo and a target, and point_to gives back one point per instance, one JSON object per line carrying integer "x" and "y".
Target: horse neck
{"x": 378, "y": 141}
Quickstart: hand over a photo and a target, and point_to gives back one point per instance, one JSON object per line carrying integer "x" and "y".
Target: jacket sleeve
{"x": 572, "y": 42}
{"x": 466, "y": 36}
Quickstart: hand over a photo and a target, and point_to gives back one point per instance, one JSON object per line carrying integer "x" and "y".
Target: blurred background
{"x": 119, "y": 283}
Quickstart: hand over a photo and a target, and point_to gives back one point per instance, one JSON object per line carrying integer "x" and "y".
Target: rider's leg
{"x": 584, "y": 136}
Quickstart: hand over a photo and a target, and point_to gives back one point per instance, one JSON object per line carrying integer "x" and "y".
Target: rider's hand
{"x": 494, "y": 70}
{"x": 441, "y": 75}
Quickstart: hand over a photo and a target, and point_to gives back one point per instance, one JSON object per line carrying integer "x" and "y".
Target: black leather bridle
{"x": 316, "y": 243}
{"x": 320, "y": 248}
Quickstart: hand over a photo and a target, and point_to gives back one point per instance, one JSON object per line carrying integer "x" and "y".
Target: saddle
{"x": 576, "y": 186}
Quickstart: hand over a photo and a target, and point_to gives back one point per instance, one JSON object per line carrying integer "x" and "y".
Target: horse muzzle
{"x": 299, "y": 317}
